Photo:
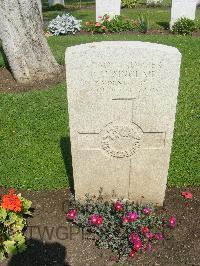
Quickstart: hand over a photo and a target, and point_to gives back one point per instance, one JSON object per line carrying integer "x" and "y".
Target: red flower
{"x": 132, "y": 216}
{"x": 149, "y": 235}
{"x": 187, "y": 195}
{"x": 137, "y": 246}
{"x": 172, "y": 222}
{"x": 125, "y": 219}
{"x": 134, "y": 237}
{"x": 159, "y": 236}
{"x": 11, "y": 202}
{"x": 71, "y": 214}
{"x": 145, "y": 230}
{"x": 146, "y": 211}
{"x": 99, "y": 220}
{"x": 96, "y": 219}
{"x": 97, "y": 24}
{"x": 148, "y": 247}
{"x": 132, "y": 253}
{"x": 118, "y": 206}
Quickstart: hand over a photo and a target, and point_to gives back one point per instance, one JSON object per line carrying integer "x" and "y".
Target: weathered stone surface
{"x": 183, "y": 8}
{"x": 122, "y": 104}
{"x": 105, "y": 7}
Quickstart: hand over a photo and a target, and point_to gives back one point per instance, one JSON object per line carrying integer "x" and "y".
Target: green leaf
{"x": 3, "y": 214}
{"x": 10, "y": 247}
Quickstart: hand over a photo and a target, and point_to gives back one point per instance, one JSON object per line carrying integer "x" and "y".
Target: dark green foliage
{"x": 142, "y": 24}
{"x": 117, "y": 24}
{"x": 129, "y": 3}
{"x": 184, "y": 26}
{"x": 57, "y": 7}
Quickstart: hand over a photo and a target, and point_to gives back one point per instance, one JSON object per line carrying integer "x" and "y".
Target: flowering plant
{"x": 122, "y": 226}
{"x": 13, "y": 211}
{"x": 106, "y": 24}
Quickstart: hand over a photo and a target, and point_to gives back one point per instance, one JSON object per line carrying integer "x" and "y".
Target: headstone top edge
{"x": 130, "y": 44}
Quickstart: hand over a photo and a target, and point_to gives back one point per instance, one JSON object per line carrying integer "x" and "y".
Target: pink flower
{"x": 159, "y": 236}
{"x": 97, "y": 24}
{"x": 125, "y": 219}
{"x": 149, "y": 235}
{"x": 172, "y": 222}
{"x": 146, "y": 211}
{"x": 132, "y": 216}
{"x": 148, "y": 247}
{"x": 103, "y": 27}
{"x": 118, "y": 206}
{"x": 132, "y": 253}
{"x": 96, "y": 219}
{"x": 71, "y": 214}
{"x": 137, "y": 245}
{"x": 99, "y": 220}
{"x": 99, "y": 16}
{"x": 144, "y": 230}
{"x": 134, "y": 237}
{"x": 187, "y": 195}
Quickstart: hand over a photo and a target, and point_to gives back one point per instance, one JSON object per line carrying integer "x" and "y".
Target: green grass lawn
{"x": 158, "y": 18}
{"x": 34, "y": 132}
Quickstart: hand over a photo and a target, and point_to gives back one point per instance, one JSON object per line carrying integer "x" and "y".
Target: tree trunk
{"x": 24, "y": 43}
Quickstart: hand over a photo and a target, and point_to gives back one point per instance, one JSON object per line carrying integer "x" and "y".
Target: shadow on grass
{"x": 163, "y": 24}
{"x": 40, "y": 254}
{"x": 65, "y": 146}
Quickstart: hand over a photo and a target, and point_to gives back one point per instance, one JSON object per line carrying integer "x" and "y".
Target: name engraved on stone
{"x": 121, "y": 141}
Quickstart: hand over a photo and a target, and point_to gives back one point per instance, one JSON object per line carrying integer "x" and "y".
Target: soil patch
{"x": 8, "y": 83}
{"x": 53, "y": 242}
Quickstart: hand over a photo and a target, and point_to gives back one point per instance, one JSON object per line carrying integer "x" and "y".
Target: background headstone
{"x": 111, "y": 8}
{"x": 54, "y": 2}
{"x": 122, "y": 103}
{"x": 182, "y": 8}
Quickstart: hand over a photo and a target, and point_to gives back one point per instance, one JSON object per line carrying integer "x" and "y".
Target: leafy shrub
{"x": 123, "y": 227}
{"x": 154, "y": 3}
{"x": 56, "y": 7}
{"x": 13, "y": 211}
{"x": 65, "y": 24}
{"x": 142, "y": 24}
{"x": 105, "y": 24}
{"x": 129, "y": 3}
{"x": 184, "y": 26}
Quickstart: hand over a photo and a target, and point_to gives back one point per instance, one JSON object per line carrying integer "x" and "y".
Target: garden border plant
{"x": 122, "y": 226}
{"x": 14, "y": 210}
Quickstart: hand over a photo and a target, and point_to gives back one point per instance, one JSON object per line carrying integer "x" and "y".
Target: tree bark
{"x": 24, "y": 43}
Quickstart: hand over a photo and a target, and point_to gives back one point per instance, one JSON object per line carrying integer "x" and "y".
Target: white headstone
{"x": 182, "y": 8}
{"x": 105, "y": 7}
{"x": 54, "y": 2}
{"x": 122, "y": 103}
